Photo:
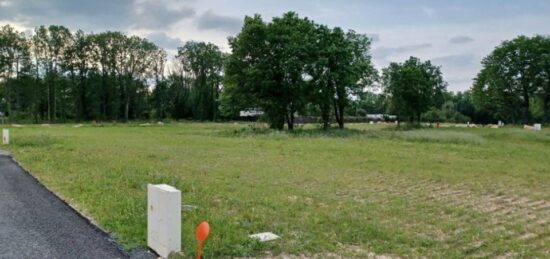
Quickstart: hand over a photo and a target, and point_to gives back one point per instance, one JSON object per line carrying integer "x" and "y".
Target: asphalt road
{"x": 34, "y": 223}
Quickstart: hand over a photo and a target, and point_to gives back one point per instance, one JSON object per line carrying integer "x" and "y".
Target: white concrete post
{"x": 163, "y": 219}
{"x": 538, "y": 126}
{"x": 5, "y": 136}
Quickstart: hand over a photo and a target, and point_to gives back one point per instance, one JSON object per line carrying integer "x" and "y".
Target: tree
{"x": 369, "y": 102}
{"x": 134, "y": 64}
{"x": 51, "y": 44}
{"x": 413, "y": 87}
{"x": 267, "y": 66}
{"x": 104, "y": 56}
{"x": 513, "y": 77}
{"x": 242, "y": 69}
{"x": 203, "y": 63}
{"x": 341, "y": 68}
{"x": 76, "y": 62}
{"x": 57, "y": 75}
{"x": 160, "y": 93}
{"x": 14, "y": 56}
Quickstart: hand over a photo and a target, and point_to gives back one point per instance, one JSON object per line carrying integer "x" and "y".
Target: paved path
{"x": 34, "y": 223}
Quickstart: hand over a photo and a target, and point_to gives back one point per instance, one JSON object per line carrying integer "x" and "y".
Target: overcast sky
{"x": 453, "y": 34}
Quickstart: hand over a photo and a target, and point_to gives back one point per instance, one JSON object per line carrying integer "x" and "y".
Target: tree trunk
{"x": 290, "y": 120}
{"x": 325, "y": 114}
{"x": 49, "y": 101}
{"x": 337, "y": 113}
{"x": 278, "y": 122}
{"x": 54, "y": 102}
{"x": 289, "y": 116}
{"x": 104, "y": 96}
{"x": 127, "y": 107}
{"x": 546, "y": 104}
{"x": 83, "y": 107}
{"x": 8, "y": 97}
{"x": 341, "y": 120}
{"x": 37, "y": 93}
{"x": 526, "y": 103}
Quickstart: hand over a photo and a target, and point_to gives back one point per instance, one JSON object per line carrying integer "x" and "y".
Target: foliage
{"x": 341, "y": 68}
{"x": 369, "y": 103}
{"x": 514, "y": 77}
{"x": 413, "y": 87}
{"x": 291, "y": 64}
{"x": 285, "y": 67}
{"x": 203, "y": 65}
{"x": 59, "y": 76}
{"x": 267, "y": 65}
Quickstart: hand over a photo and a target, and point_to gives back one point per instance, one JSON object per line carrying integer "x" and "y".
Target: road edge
{"x": 136, "y": 253}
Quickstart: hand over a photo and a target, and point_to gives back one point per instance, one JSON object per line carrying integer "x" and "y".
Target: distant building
{"x": 254, "y": 112}
{"x": 381, "y": 117}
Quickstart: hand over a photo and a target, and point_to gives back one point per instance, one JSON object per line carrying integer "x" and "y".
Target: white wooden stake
{"x": 163, "y": 219}
{"x": 5, "y": 136}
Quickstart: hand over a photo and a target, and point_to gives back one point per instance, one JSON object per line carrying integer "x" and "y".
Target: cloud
{"x": 459, "y": 60}
{"x": 153, "y": 15}
{"x": 459, "y": 81}
{"x": 212, "y": 21}
{"x": 165, "y": 41}
{"x": 430, "y": 12}
{"x": 383, "y": 52}
{"x": 5, "y": 3}
{"x": 460, "y": 40}
{"x": 100, "y": 14}
{"x": 96, "y": 15}
{"x": 458, "y": 69}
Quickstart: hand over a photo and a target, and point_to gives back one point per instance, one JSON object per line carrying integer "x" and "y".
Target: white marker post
{"x": 5, "y": 136}
{"x": 538, "y": 127}
{"x": 163, "y": 219}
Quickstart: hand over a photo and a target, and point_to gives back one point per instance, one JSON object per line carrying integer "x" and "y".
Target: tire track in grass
{"x": 506, "y": 218}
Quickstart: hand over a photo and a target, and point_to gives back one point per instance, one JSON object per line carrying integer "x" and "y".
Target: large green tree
{"x": 514, "y": 77}
{"x": 413, "y": 87}
{"x": 340, "y": 68}
{"x": 267, "y": 66}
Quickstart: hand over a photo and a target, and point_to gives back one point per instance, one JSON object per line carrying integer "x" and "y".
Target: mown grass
{"x": 369, "y": 189}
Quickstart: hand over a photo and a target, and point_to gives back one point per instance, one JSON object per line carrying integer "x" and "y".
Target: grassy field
{"x": 363, "y": 192}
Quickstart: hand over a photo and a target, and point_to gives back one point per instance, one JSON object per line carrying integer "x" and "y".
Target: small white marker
{"x": 5, "y": 136}
{"x": 265, "y": 236}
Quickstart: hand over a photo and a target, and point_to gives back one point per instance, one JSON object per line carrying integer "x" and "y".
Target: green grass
{"x": 367, "y": 190}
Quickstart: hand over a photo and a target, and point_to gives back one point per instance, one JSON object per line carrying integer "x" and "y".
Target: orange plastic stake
{"x": 202, "y": 232}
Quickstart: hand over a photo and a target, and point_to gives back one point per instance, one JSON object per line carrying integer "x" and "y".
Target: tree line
{"x": 286, "y": 67}
{"x": 57, "y": 76}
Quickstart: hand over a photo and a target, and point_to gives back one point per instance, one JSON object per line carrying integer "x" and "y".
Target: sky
{"x": 455, "y": 35}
